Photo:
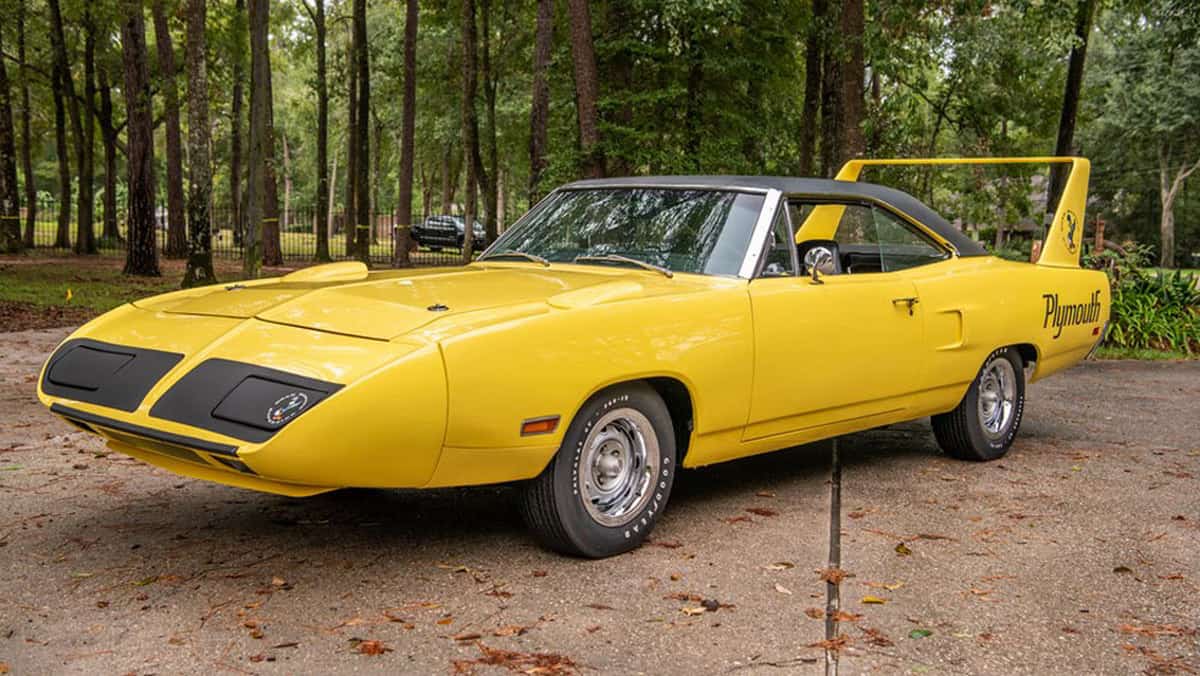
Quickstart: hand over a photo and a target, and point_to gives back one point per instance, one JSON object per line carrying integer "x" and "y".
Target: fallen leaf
{"x": 684, "y": 596}
{"x": 876, "y": 637}
{"x": 845, "y": 616}
{"x": 833, "y": 644}
{"x": 539, "y": 573}
{"x": 278, "y": 581}
{"x": 289, "y": 644}
{"x": 599, "y": 606}
{"x": 445, "y": 621}
{"x": 920, "y": 633}
{"x": 544, "y": 664}
{"x": 738, "y": 519}
{"x": 765, "y": 494}
{"x": 4, "y": 667}
{"x": 833, "y": 575}
{"x": 468, "y": 636}
{"x": 592, "y": 629}
{"x": 1123, "y": 570}
{"x": 698, "y": 610}
{"x": 1156, "y": 630}
{"x": 762, "y": 511}
{"x": 779, "y": 565}
{"x": 372, "y": 648}
{"x": 257, "y": 658}
{"x": 903, "y": 550}
{"x": 256, "y": 633}
{"x": 665, "y": 544}
{"x": 873, "y": 599}
{"x": 890, "y": 586}
{"x": 815, "y": 613}
{"x": 511, "y": 630}
{"x": 782, "y": 589}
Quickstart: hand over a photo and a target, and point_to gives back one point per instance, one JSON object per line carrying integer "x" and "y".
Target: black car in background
{"x": 447, "y": 231}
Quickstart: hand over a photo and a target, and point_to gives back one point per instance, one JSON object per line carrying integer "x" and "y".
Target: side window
{"x": 901, "y": 247}
{"x": 780, "y": 260}
{"x": 869, "y": 238}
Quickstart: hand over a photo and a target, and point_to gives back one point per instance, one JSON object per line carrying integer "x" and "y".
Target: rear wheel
{"x": 985, "y": 422}
{"x": 609, "y": 481}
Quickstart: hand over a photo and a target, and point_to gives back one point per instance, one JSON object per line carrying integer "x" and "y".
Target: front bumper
{"x": 377, "y": 415}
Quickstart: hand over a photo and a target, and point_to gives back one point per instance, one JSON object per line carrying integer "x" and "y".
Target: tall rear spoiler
{"x": 1061, "y": 248}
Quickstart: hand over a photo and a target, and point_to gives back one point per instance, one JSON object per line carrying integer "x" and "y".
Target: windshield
{"x": 684, "y": 230}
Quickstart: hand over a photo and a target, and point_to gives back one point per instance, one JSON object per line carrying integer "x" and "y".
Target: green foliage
{"x": 1151, "y": 309}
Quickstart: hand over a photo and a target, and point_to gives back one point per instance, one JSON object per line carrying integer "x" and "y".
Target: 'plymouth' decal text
{"x": 1072, "y": 314}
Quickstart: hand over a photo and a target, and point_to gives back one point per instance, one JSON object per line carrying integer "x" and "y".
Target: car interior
{"x": 868, "y": 239}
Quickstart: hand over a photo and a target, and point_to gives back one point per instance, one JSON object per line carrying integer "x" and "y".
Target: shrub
{"x": 1157, "y": 310}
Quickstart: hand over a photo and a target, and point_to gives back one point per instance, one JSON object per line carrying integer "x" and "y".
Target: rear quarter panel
{"x": 975, "y": 305}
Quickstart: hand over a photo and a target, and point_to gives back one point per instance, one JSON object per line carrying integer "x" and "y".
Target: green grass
{"x": 95, "y": 283}
{"x": 1144, "y": 354}
{"x": 296, "y": 246}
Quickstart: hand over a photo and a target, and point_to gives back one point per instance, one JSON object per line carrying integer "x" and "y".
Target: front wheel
{"x": 611, "y": 477}
{"x": 985, "y": 422}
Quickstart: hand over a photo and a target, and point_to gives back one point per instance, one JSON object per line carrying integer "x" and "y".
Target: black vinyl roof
{"x": 824, "y": 188}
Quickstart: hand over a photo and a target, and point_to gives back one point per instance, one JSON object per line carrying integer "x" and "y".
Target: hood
{"x": 389, "y": 304}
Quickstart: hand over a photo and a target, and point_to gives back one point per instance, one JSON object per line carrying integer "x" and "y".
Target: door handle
{"x": 909, "y": 301}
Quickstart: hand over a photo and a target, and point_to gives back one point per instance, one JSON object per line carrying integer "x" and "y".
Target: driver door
{"x": 847, "y": 348}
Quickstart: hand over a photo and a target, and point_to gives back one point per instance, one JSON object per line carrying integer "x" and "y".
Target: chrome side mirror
{"x": 814, "y": 259}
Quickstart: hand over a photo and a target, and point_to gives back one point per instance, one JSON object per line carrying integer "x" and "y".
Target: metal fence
{"x": 297, "y": 236}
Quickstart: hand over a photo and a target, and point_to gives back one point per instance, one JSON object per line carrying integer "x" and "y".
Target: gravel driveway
{"x": 1078, "y": 552}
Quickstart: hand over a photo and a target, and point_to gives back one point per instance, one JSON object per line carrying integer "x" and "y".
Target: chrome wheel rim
{"x": 997, "y": 397}
{"x": 619, "y": 460}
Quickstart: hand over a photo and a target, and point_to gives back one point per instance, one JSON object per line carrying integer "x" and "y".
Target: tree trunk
{"x": 10, "y": 193}
{"x": 469, "y": 127}
{"x": 831, "y": 97}
{"x": 376, "y": 171}
{"x": 329, "y": 213}
{"x": 324, "y": 196}
{"x": 449, "y": 178}
{"x": 404, "y": 197}
{"x": 199, "y": 263}
{"x": 1085, "y": 13}
{"x": 236, "y": 213}
{"x": 62, "y": 239}
{"x": 362, "y": 174}
{"x": 539, "y": 111}
{"x": 488, "y": 175}
{"x": 850, "y": 141}
{"x": 813, "y": 50}
{"x": 108, "y": 136}
{"x": 176, "y": 228}
{"x": 285, "y": 217}
{"x": 586, "y": 88}
{"x": 693, "y": 99}
{"x": 272, "y": 249}
{"x": 1169, "y": 189}
{"x": 31, "y": 204}
{"x": 141, "y": 252}
{"x": 260, "y": 103}
{"x": 85, "y": 238}
{"x": 351, "y": 146}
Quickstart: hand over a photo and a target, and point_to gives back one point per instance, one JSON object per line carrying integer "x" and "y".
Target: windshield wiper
{"x": 614, "y": 258}
{"x": 518, "y": 254}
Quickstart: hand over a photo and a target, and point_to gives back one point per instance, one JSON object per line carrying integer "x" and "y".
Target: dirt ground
{"x": 1077, "y": 553}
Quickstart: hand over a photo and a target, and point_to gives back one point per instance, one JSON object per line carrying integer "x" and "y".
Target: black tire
{"x": 553, "y": 504}
{"x": 963, "y": 433}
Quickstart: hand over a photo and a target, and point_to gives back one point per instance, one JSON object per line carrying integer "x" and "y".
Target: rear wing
{"x": 1061, "y": 248}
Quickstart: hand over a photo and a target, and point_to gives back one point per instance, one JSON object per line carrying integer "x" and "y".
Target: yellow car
{"x": 622, "y": 329}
